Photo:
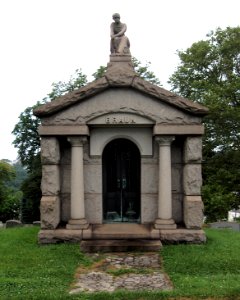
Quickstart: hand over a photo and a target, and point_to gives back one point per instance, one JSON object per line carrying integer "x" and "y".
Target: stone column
{"x": 77, "y": 220}
{"x": 164, "y": 219}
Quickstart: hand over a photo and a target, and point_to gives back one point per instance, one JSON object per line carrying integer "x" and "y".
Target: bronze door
{"x": 121, "y": 182}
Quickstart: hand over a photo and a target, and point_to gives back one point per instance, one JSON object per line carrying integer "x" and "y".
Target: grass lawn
{"x": 30, "y": 271}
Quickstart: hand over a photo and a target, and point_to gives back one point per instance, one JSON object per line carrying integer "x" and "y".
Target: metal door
{"x": 121, "y": 182}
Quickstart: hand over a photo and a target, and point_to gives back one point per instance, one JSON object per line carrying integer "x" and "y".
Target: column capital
{"x": 164, "y": 140}
{"x": 77, "y": 141}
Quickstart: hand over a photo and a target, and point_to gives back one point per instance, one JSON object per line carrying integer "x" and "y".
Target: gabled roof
{"x": 120, "y": 74}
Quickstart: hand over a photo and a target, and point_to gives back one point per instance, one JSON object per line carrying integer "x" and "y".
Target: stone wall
{"x": 192, "y": 183}
{"x": 50, "y": 185}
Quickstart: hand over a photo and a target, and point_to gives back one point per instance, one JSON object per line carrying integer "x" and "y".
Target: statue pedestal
{"x": 120, "y": 58}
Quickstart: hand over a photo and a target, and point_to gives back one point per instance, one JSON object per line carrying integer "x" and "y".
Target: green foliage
{"x": 9, "y": 197}
{"x": 26, "y": 137}
{"x": 209, "y": 73}
{"x": 144, "y": 71}
{"x": 27, "y": 141}
{"x": 77, "y": 80}
{"x": 100, "y": 72}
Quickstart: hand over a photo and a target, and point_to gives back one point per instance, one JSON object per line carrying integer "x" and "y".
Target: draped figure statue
{"x": 119, "y": 42}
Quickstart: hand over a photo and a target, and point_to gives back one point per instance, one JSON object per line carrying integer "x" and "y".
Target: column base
{"x": 165, "y": 224}
{"x": 77, "y": 224}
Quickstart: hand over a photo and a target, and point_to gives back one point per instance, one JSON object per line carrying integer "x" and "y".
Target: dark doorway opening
{"x": 121, "y": 182}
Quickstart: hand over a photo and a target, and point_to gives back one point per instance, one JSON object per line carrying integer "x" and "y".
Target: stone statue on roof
{"x": 119, "y": 42}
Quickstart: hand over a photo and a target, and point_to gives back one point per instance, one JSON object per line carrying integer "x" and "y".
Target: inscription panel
{"x": 120, "y": 119}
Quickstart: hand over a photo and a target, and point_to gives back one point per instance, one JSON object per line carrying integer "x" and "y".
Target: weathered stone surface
{"x": 93, "y": 207}
{"x": 122, "y": 75}
{"x": 50, "y": 184}
{"x": 50, "y": 153}
{"x": 169, "y": 97}
{"x": 72, "y": 97}
{"x": 98, "y": 279}
{"x": 193, "y": 212}
{"x": 149, "y": 180}
{"x": 92, "y": 178}
{"x": 120, "y": 100}
{"x": 192, "y": 179}
{"x": 59, "y": 235}
{"x": 13, "y": 223}
{"x": 1, "y": 224}
{"x": 193, "y": 149}
{"x": 50, "y": 212}
{"x": 149, "y": 207}
{"x": 182, "y": 236}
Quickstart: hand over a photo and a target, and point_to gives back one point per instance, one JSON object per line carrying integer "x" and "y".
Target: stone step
{"x": 121, "y": 231}
{"x": 120, "y": 245}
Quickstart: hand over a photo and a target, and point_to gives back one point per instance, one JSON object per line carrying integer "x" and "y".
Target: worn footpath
{"x": 113, "y": 271}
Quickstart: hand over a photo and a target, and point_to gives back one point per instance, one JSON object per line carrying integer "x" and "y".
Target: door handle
{"x": 118, "y": 183}
{"x": 124, "y": 183}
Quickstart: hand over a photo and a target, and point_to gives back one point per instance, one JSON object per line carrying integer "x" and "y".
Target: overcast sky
{"x": 45, "y": 41}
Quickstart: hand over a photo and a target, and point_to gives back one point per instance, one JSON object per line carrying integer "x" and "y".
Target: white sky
{"x": 45, "y": 41}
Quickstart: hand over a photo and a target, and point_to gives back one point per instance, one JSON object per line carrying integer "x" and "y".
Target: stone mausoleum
{"x": 121, "y": 160}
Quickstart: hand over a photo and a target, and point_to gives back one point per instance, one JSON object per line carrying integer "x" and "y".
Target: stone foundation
{"x": 148, "y": 233}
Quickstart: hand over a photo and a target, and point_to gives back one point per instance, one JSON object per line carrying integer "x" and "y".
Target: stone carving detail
{"x": 119, "y": 42}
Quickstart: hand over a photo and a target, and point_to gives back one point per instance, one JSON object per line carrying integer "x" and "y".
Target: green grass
{"x": 30, "y": 271}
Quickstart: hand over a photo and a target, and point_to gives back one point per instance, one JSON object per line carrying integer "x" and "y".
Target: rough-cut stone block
{"x": 192, "y": 236}
{"x": 193, "y": 212}
{"x": 50, "y": 153}
{"x": 50, "y": 180}
{"x": 50, "y": 212}
{"x": 59, "y": 235}
{"x": 193, "y": 149}
{"x": 192, "y": 179}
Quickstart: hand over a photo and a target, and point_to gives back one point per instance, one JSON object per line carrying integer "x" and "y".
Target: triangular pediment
{"x": 120, "y": 76}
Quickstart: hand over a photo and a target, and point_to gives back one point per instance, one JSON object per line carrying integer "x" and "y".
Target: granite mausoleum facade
{"x": 121, "y": 153}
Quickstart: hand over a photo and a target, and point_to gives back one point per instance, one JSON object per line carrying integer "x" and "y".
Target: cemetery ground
{"x": 32, "y": 271}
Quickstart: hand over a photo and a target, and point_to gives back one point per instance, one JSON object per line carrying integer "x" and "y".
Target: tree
{"x": 209, "y": 73}
{"x": 27, "y": 141}
{"x": 9, "y": 197}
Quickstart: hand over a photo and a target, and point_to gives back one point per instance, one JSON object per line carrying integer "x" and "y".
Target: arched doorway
{"x": 121, "y": 182}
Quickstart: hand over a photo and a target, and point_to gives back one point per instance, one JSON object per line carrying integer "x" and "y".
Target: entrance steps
{"x": 120, "y": 245}
{"x": 121, "y": 231}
